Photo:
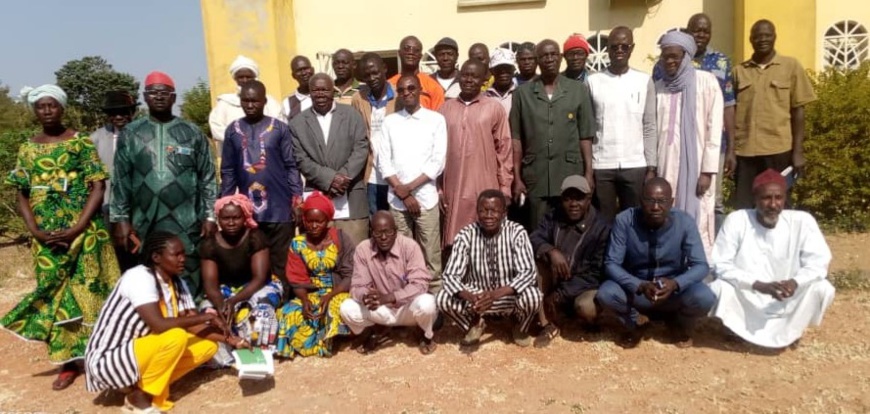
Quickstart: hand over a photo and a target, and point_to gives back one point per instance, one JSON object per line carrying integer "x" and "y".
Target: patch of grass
{"x": 851, "y": 279}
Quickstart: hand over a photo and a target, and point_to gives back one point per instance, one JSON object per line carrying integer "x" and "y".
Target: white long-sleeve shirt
{"x": 625, "y": 113}
{"x": 413, "y": 144}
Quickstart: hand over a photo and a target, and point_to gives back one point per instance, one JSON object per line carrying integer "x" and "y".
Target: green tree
{"x": 835, "y": 188}
{"x": 197, "y": 106}
{"x": 86, "y": 82}
{"x": 13, "y": 114}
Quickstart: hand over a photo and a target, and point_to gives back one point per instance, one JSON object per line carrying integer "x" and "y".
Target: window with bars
{"x": 846, "y": 45}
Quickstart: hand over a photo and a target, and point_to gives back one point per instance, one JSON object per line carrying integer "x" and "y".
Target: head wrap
{"x": 244, "y": 204}
{"x": 159, "y": 78}
{"x": 576, "y": 41}
{"x": 244, "y": 62}
{"x": 684, "y": 82}
{"x": 31, "y": 95}
{"x": 768, "y": 176}
{"x": 318, "y": 201}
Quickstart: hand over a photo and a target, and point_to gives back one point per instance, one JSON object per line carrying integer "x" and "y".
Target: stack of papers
{"x": 254, "y": 364}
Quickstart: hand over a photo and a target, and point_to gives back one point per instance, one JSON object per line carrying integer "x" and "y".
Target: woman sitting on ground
{"x": 148, "y": 334}
{"x": 235, "y": 262}
{"x": 60, "y": 182}
{"x": 319, "y": 267}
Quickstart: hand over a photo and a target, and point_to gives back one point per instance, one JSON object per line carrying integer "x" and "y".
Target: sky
{"x": 37, "y": 37}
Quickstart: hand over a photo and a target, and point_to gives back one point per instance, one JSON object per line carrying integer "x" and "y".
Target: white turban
{"x": 31, "y": 95}
{"x": 244, "y": 62}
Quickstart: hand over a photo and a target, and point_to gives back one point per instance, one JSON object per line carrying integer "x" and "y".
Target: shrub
{"x": 836, "y": 188}
{"x": 11, "y": 224}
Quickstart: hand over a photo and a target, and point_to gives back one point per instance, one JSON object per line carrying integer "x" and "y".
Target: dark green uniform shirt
{"x": 550, "y": 130}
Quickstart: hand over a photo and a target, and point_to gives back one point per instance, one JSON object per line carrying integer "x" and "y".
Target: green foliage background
{"x": 197, "y": 106}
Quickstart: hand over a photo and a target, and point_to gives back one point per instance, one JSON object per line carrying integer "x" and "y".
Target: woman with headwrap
{"x": 319, "y": 267}
{"x": 689, "y": 105}
{"x": 235, "y": 267}
{"x": 229, "y": 107}
{"x": 60, "y": 182}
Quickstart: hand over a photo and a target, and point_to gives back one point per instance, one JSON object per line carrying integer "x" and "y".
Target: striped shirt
{"x": 109, "y": 359}
{"x": 478, "y": 263}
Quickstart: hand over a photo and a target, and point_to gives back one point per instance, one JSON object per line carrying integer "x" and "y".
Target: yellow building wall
{"x": 795, "y": 22}
{"x": 263, "y": 30}
{"x": 273, "y": 31}
{"x": 381, "y": 24}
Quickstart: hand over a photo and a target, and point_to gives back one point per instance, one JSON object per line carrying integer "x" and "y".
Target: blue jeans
{"x": 378, "y": 197}
{"x": 691, "y": 302}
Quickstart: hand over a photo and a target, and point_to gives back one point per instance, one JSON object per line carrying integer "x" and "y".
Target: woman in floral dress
{"x": 319, "y": 268}
{"x": 60, "y": 182}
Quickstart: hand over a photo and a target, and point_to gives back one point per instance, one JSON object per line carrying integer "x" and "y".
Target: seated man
{"x": 569, "y": 244}
{"x": 389, "y": 286}
{"x": 656, "y": 265}
{"x": 771, "y": 266}
{"x": 491, "y": 271}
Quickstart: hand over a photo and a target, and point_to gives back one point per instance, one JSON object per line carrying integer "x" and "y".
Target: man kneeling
{"x": 656, "y": 265}
{"x": 389, "y": 286}
{"x": 491, "y": 271}
{"x": 771, "y": 266}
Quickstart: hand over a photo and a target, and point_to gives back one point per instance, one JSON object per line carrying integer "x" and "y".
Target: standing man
{"x": 228, "y": 109}
{"x": 479, "y": 51}
{"x": 331, "y": 147}
{"x": 446, "y": 54}
{"x": 527, "y": 63}
{"x": 389, "y": 285}
{"x": 258, "y": 161}
{"x": 119, "y": 107}
{"x": 163, "y": 179}
{"x": 624, "y": 149}
{"x": 552, "y": 125}
{"x": 478, "y": 151}
{"x": 410, "y": 54}
{"x": 301, "y": 70}
{"x": 569, "y": 245}
{"x": 374, "y": 101}
{"x": 656, "y": 265}
{"x": 344, "y": 67}
{"x": 719, "y": 64}
{"x": 690, "y": 127}
{"x": 502, "y": 65}
{"x": 772, "y": 91}
{"x": 411, "y": 158}
{"x": 491, "y": 272}
{"x": 577, "y": 50}
{"x": 771, "y": 266}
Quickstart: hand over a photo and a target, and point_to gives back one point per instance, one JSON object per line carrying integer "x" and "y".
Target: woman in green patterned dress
{"x": 60, "y": 182}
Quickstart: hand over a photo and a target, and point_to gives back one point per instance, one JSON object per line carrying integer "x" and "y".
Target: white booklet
{"x": 254, "y": 363}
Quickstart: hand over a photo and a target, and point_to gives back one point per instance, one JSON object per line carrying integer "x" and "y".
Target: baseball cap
{"x": 501, "y": 56}
{"x": 576, "y": 181}
{"x": 448, "y": 42}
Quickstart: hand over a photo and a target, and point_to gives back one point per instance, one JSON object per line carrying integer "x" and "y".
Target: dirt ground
{"x": 579, "y": 373}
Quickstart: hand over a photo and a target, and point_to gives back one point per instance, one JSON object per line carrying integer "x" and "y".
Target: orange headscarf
{"x": 244, "y": 204}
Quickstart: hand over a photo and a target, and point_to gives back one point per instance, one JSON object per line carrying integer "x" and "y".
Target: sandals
{"x": 427, "y": 346}
{"x": 547, "y": 335}
{"x": 65, "y": 379}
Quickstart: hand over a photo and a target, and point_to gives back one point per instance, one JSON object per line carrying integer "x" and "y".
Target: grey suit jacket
{"x": 104, "y": 140}
{"x": 346, "y": 153}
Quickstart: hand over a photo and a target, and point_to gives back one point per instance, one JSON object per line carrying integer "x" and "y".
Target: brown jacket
{"x": 362, "y": 104}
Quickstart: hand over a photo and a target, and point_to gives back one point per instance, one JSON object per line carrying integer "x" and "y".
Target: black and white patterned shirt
{"x": 478, "y": 263}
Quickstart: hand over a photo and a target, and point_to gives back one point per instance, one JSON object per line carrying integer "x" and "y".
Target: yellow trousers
{"x": 166, "y": 357}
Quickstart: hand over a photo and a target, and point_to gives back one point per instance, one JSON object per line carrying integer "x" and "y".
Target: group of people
{"x": 360, "y": 202}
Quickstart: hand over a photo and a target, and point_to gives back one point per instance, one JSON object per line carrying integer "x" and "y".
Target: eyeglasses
{"x": 621, "y": 47}
{"x": 384, "y": 233}
{"x": 160, "y": 94}
{"x": 653, "y": 201}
